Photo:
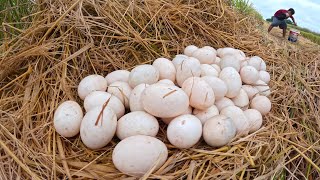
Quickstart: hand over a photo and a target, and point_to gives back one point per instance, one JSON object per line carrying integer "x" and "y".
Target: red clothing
{"x": 281, "y": 14}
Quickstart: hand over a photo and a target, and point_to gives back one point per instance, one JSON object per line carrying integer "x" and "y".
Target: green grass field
{"x": 11, "y": 16}
{"x": 245, "y": 7}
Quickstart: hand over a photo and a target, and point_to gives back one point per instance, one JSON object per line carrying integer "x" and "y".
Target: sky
{"x": 307, "y": 12}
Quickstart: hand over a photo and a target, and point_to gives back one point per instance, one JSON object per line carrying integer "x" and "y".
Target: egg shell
{"x": 67, "y": 119}
{"x": 190, "y": 49}
{"x": 216, "y": 67}
{"x": 219, "y": 131}
{"x": 233, "y": 81}
{"x": 217, "y": 61}
{"x": 118, "y": 75}
{"x": 136, "y": 155}
{"x": 249, "y": 75}
{"x": 243, "y": 63}
{"x": 184, "y": 131}
{"x": 135, "y": 102}
{"x": 166, "y": 69}
{"x": 164, "y": 101}
{"x": 242, "y": 99}
{"x": 256, "y": 62}
{"x": 221, "y": 52}
{"x": 168, "y": 120}
{"x": 263, "y": 66}
{"x": 263, "y": 88}
{"x": 250, "y": 90}
{"x": 210, "y": 48}
{"x": 264, "y": 76}
{"x": 230, "y": 61}
{"x": 223, "y": 102}
{"x": 262, "y": 104}
{"x": 255, "y": 119}
{"x": 178, "y": 59}
{"x": 238, "y": 118}
{"x": 121, "y": 90}
{"x": 208, "y": 70}
{"x": 166, "y": 81}
{"x": 204, "y": 115}
{"x": 241, "y": 55}
{"x": 204, "y": 55}
{"x": 143, "y": 74}
{"x": 97, "y": 134}
{"x": 91, "y": 83}
{"x": 188, "y": 68}
{"x": 137, "y": 123}
{"x": 201, "y": 95}
{"x": 218, "y": 86}
{"x": 99, "y": 98}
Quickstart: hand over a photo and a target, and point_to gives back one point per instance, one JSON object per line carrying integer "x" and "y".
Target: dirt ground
{"x": 276, "y": 36}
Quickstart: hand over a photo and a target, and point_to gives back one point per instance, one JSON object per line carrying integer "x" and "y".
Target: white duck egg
{"x": 118, "y": 75}
{"x": 98, "y": 127}
{"x": 218, "y": 86}
{"x": 208, "y": 70}
{"x": 242, "y": 99}
{"x": 263, "y": 88}
{"x": 205, "y": 56}
{"x": 233, "y": 81}
{"x": 136, "y": 155}
{"x": 121, "y": 90}
{"x": 262, "y": 104}
{"x": 264, "y": 76}
{"x": 184, "y": 131}
{"x": 249, "y": 75}
{"x": 219, "y": 131}
{"x": 216, "y": 67}
{"x": 135, "y": 98}
{"x": 210, "y": 48}
{"x": 217, "y": 61}
{"x": 190, "y": 49}
{"x": 143, "y": 74}
{"x": 166, "y": 69}
{"x": 201, "y": 95}
{"x": 250, "y": 90}
{"x": 188, "y": 68}
{"x": 178, "y": 59}
{"x": 255, "y": 119}
{"x": 238, "y": 118}
{"x": 230, "y": 61}
{"x": 204, "y": 115}
{"x": 67, "y": 118}
{"x": 91, "y": 83}
{"x": 168, "y": 120}
{"x": 164, "y": 101}
{"x": 166, "y": 81}
{"x": 223, "y": 102}
{"x": 137, "y": 123}
{"x": 256, "y": 62}
{"x": 99, "y": 98}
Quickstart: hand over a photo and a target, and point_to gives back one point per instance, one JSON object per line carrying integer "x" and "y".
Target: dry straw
{"x": 68, "y": 40}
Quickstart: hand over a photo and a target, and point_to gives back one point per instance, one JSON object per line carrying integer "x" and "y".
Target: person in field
{"x": 279, "y": 20}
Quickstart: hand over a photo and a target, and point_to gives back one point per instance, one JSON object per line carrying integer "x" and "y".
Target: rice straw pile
{"x": 68, "y": 40}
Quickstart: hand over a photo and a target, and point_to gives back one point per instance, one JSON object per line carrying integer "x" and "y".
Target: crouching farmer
{"x": 279, "y": 20}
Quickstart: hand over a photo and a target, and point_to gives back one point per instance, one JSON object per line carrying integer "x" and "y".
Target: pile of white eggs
{"x": 214, "y": 94}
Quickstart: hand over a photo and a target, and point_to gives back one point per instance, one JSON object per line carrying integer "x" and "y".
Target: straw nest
{"x": 68, "y": 40}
